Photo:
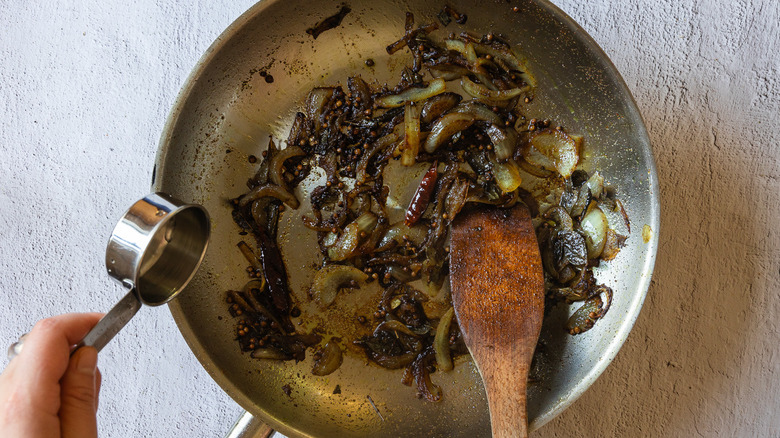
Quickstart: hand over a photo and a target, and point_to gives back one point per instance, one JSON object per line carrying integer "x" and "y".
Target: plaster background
{"x": 85, "y": 88}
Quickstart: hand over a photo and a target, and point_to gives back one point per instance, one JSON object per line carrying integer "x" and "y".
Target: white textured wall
{"x": 84, "y": 90}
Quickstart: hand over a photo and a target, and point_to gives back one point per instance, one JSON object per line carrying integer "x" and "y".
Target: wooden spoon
{"x": 497, "y": 287}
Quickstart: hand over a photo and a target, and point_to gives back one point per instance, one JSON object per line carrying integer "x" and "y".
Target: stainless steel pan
{"x": 226, "y": 112}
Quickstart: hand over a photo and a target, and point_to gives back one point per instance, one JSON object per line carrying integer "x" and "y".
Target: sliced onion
{"x": 482, "y": 92}
{"x": 563, "y": 221}
{"x": 269, "y": 190}
{"x": 445, "y": 127}
{"x": 612, "y": 244}
{"x": 437, "y": 86}
{"x": 269, "y": 353}
{"x": 466, "y": 49}
{"x": 395, "y": 326}
{"x": 366, "y": 222}
{"x": 533, "y": 170}
{"x": 596, "y": 184}
{"x": 416, "y": 234}
{"x": 362, "y": 167}
{"x": 559, "y": 148}
{"x": 594, "y": 225}
{"x": 475, "y": 63}
{"x": 329, "y": 360}
{"x": 239, "y": 300}
{"x": 277, "y": 164}
{"x": 422, "y": 379}
{"x": 250, "y": 256}
{"x": 479, "y": 111}
{"x": 329, "y": 279}
{"x": 399, "y": 273}
{"x": 437, "y": 105}
{"x": 411, "y": 146}
{"x": 448, "y": 72}
{"x": 504, "y": 141}
{"x": 619, "y": 207}
{"x": 507, "y": 176}
{"x": 509, "y": 59}
{"x": 581, "y": 320}
{"x": 316, "y": 102}
{"x": 441, "y": 343}
{"x": 456, "y": 198}
{"x": 346, "y": 244}
{"x": 582, "y": 202}
{"x": 391, "y": 362}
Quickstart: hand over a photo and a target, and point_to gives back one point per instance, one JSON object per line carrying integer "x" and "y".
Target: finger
{"x": 79, "y": 395}
{"x": 45, "y": 356}
{"x": 98, "y": 384}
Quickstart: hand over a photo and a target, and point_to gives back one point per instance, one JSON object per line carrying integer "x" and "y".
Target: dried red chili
{"x": 421, "y": 196}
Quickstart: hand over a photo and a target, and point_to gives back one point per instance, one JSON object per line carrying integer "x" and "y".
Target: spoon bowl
{"x": 497, "y": 285}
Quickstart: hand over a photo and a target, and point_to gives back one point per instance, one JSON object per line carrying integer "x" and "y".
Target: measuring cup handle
{"x": 109, "y": 325}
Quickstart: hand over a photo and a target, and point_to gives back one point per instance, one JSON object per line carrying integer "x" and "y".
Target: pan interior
{"x": 229, "y": 108}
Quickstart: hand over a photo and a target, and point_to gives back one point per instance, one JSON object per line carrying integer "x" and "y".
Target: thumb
{"x": 79, "y": 395}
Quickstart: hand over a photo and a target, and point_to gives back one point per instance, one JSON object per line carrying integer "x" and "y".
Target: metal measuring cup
{"x": 154, "y": 251}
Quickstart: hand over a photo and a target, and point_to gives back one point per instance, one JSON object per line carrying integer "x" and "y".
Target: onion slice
{"x": 507, "y": 176}
{"x": 271, "y": 190}
{"x": 329, "y": 359}
{"x": 411, "y": 146}
{"x": 594, "y": 226}
{"x": 434, "y": 107}
{"x": 329, "y": 279}
{"x": 445, "y": 127}
{"x": 395, "y": 326}
{"x": 277, "y": 164}
{"x": 346, "y": 243}
{"x": 479, "y": 111}
{"x": 482, "y": 92}
{"x": 504, "y": 141}
{"x": 437, "y": 86}
{"x": 441, "y": 343}
{"x": 561, "y": 149}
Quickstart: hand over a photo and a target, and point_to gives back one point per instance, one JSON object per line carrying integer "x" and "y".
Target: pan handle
{"x": 248, "y": 426}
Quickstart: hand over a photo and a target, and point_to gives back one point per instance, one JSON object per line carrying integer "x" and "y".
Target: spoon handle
{"x": 505, "y": 380}
{"x": 109, "y": 325}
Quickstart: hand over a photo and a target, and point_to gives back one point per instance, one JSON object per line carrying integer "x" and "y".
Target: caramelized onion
{"x": 436, "y": 86}
{"x": 445, "y": 127}
{"x": 612, "y": 244}
{"x": 330, "y": 279}
{"x": 507, "y": 176}
{"x": 396, "y": 326}
{"x": 269, "y": 353}
{"x": 480, "y": 91}
{"x": 328, "y": 359}
{"x": 277, "y": 164}
{"x": 504, "y": 141}
{"x": 441, "y": 343}
{"x": 269, "y": 190}
{"x": 411, "y": 144}
{"x": 479, "y": 111}
{"x": 594, "y": 226}
{"x": 346, "y": 243}
{"x": 437, "y": 105}
{"x": 316, "y": 103}
{"x": 557, "y": 147}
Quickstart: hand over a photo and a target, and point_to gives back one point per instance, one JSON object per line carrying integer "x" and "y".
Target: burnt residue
{"x": 329, "y": 23}
{"x": 448, "y": 13}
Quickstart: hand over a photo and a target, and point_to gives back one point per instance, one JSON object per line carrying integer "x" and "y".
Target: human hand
{"x": 44, "y": 391}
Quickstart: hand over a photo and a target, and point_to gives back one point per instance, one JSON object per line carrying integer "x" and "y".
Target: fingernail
{"x": 86, "y": 362}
